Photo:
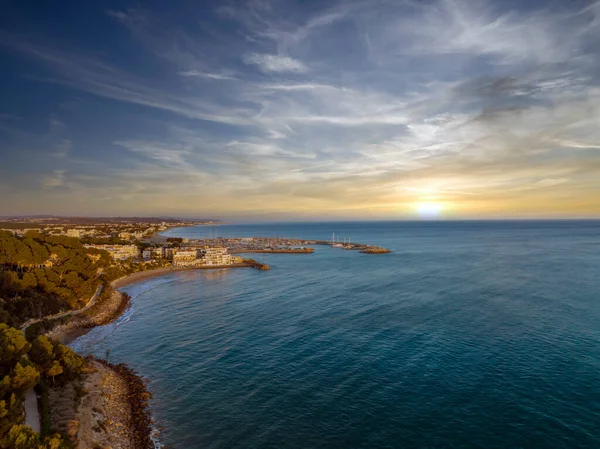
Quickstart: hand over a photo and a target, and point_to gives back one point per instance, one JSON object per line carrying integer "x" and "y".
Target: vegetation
{"x": 104, "y": 241}
{"x": 175, "y": 241}
{"x": 43, "y": 275}
{"x": 23, "y": 365}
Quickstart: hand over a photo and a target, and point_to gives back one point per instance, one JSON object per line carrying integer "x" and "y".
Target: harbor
{"x": 283, "y": 245}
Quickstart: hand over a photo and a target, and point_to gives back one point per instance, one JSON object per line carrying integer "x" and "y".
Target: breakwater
{"x": 275, "y": 251}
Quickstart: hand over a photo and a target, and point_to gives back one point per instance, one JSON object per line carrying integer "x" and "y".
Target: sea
{"x": 472, "y": 334}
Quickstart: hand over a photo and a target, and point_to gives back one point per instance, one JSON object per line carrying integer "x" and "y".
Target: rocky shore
{"x": 107, "y": 311}
{"x": 274, "y": 251}
{"x": 107, "y": 408}
{"x": 132, "y": 407}
{"x": 375, "y": 250}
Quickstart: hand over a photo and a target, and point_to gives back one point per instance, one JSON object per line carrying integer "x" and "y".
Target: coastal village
{"x": 139, "y": 240}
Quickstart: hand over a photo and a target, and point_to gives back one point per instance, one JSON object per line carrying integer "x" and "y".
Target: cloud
{"x": 199, "y": 74}
{"x": 360, "y": 107}
{"x": 297, "y": 87}
{"x": 275, "y": 63}
{"x": 296, "y": 170}
{"x": 63, "y": 148}
{"x": 54, "y": 180}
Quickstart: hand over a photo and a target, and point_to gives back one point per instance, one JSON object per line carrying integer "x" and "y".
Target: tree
{"x": 24, "y": 377}
{"x": 21, "y": 437}
{"x": 4, "y": 385}
{"x": 13, "y": 345}
{"x": 42, "y": 351}
{"x": 28, "y": 281}
{"x": 55, "y": 370}
{"x": 71, "y": 362}
{"x": 54, "y": 442}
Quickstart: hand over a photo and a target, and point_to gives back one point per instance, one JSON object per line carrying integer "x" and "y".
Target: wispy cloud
{"x": 54, "y": 180}
{"x": 484, "y": 105}
{"x": 199, "y": 74}
{"x": 296, "y": 170}
{"x": 275, "y": 63}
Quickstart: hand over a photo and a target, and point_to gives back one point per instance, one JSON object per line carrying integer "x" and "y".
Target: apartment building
{"x": 119, "y": 252}
{"x": 186, "y": 258}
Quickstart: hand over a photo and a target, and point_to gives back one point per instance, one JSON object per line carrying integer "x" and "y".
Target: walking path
{"x": 32, "y": 415}
{"x": 68, "y": 312}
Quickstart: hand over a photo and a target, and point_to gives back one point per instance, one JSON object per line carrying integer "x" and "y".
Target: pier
{"x": 280, "y": 245}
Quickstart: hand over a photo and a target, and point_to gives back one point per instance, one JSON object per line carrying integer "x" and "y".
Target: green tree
{"x": 28, "y": 281}
{"x": 55, "y": 370}
{"x": 55, "y": 442}
{"x": 42, "y": 351}
{"x": 24, "y": 377}
{"x": 21, "y": 437}
{"x": 71, "y": 362}
{"x": 13, "y": 345}
{"x": 5, "y": 385}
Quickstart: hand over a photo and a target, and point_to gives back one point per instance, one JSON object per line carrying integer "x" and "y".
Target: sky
{"x": 299, "y": 110}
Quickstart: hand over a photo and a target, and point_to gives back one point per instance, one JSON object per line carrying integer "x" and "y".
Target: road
{"x": 90, "y": 303}
{"x": 32, "y": 415}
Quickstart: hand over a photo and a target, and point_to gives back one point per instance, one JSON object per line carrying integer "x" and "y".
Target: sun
{"x": 427, "y": 209}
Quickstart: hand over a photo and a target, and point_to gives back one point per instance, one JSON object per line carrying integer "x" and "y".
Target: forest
{"x": 43, "y": 275}
{"x": 25, "y": 365}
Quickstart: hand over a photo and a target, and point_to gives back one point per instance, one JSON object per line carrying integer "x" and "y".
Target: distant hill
{"x": 51, "y": 219}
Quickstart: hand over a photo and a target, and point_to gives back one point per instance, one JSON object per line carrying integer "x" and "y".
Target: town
{"x": 95, "y": 229}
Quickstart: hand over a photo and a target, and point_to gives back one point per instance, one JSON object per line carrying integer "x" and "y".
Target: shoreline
{"x": 140, "y": 276}
{"x": 118, "y": 303}
{"x": 134, "y": 420}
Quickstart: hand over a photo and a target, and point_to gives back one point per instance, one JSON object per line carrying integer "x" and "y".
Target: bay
{"x": 469, "y": 334}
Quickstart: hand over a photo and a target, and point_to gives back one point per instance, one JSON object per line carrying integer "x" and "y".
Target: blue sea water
{"x": 469, "y": 334}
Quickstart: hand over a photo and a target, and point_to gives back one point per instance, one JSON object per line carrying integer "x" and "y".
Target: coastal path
{"x": 90, "y": 303}
{"x": 32, "y": 415}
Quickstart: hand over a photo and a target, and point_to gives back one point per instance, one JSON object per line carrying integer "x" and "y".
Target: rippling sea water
{"x": 470, "y": 334}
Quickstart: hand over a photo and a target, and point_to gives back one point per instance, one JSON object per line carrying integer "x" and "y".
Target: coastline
{"x": 118, "y": 303}
{"x": 122, "y": 416}
{"x": 140, "y": 276}
{"x": 107, "y": 407}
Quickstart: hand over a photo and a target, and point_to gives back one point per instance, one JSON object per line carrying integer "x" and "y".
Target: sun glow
{"x": 428, "y": 209}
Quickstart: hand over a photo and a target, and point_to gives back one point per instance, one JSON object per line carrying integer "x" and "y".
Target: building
{"x": 53, "y": 259}
{"x": 147, "y": 254}
{"x": 157, "y": 253}
{"x": 119, "y": 252}
{"x": 74, "y": 233}
{"x": 219, "y": 256}
{"x": 186, "y": 258}
{"x": 125, "y": 236}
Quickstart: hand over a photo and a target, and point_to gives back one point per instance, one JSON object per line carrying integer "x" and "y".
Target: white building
{"x": 74, "y": 233}
{"x": 219, "y": 256}
{"x": 119, "y": 252}
{"x": 186, "y": 258}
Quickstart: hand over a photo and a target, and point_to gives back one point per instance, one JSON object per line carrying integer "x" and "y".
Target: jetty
{"x": 258, "y": 265}
{"x": 274, "y": 250}
{"x": 280, "y": 245}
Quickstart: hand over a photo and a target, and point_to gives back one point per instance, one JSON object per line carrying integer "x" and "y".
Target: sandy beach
{"x": 117, "y": 303}
{"x": 149, "y": 274}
